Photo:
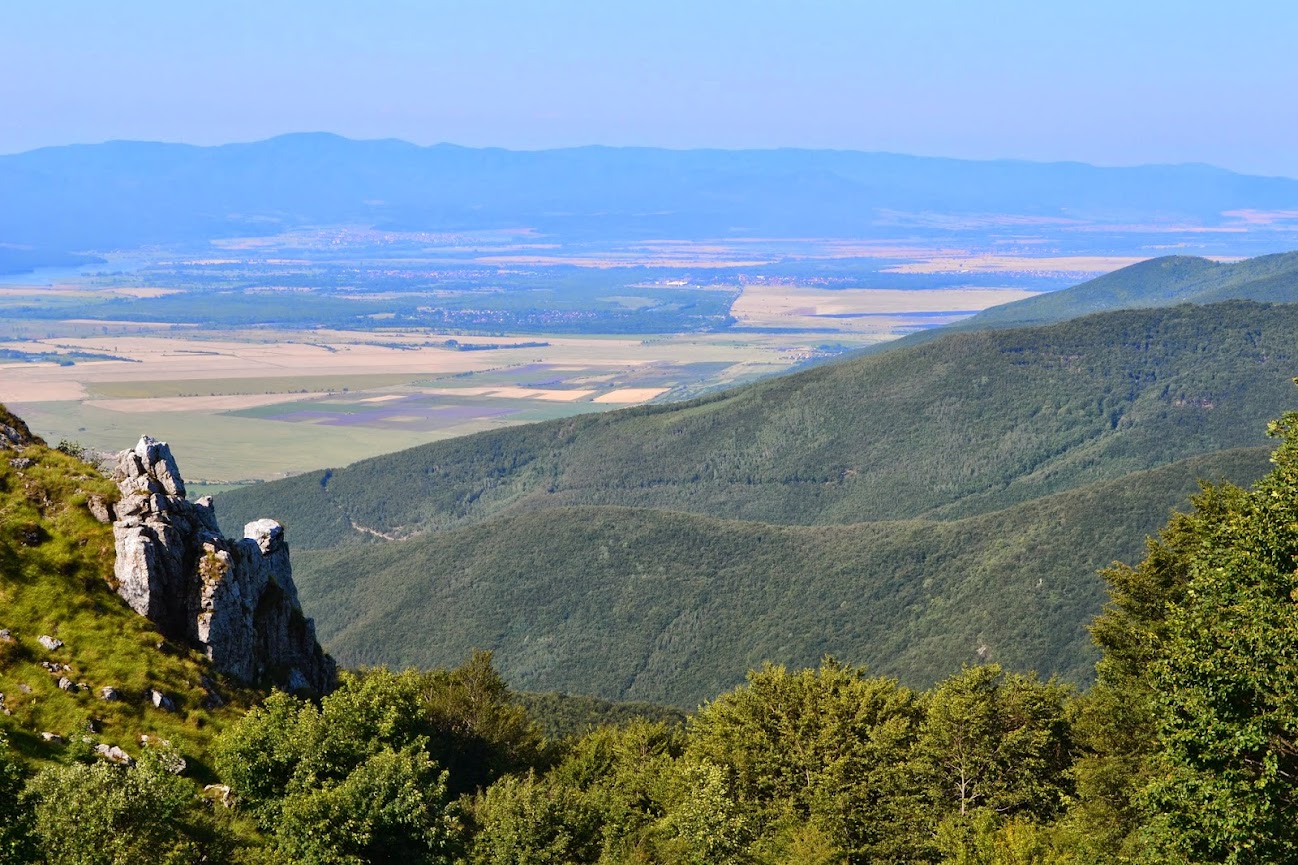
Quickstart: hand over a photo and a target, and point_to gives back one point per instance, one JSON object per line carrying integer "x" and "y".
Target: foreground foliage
{"x": 101, "y": 813}
{"x": 1183, "y": 751}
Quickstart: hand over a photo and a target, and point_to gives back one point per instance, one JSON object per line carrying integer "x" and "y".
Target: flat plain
{"x": 259, "y": 358}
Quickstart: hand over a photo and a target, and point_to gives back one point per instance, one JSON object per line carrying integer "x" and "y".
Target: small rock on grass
{"x": 114, "y": 754}
{"x": 161, "y": 700}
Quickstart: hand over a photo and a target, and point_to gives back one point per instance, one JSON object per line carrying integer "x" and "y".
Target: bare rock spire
{"x": 235, "y": 599}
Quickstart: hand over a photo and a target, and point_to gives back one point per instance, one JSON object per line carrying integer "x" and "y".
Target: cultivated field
{"x": 1078, "y": 266}
{"x": 872, "y": 313}
{"x": 177, "y": 345}
{"x": 238, "y": 411}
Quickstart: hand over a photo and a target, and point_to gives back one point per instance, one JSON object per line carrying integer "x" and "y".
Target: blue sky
{"x": 1091, "y": 80}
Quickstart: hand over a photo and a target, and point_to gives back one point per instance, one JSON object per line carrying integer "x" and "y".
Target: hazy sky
{"x": 1093, "y": 80}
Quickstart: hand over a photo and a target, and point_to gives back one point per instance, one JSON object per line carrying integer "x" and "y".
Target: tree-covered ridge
{"x": 967, "y": 424}
{"x": 1163, "y": 281}
{"x": 639, "y": 604}
{"x": 561, "y": 715}
{"x": 901, "y": 510}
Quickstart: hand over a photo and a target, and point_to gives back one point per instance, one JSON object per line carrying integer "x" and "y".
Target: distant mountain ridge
{"x": 123, "y": 194}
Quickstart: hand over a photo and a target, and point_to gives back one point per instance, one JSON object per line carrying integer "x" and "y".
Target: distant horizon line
{"x": 639, "y": 147}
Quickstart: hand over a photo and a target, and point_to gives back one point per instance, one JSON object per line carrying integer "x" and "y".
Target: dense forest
{"x": 641, "y": 604}
{"x": 913, "y": 511}
{"x": 1182, "y": 751}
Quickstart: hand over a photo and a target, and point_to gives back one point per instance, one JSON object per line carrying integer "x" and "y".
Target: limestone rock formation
{"x": 235, "y": 599}
{"x": 14, "y": 434}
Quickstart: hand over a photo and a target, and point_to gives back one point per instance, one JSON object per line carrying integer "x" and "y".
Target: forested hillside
{"x": 932, "y": 506}
{"x": 968, "y": 424}
{"x": 1181, "y": 752}
{"x": 641, "y": 604}
{"x": 1158, "y": 282}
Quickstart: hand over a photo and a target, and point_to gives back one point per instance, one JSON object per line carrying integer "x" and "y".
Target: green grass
{"x": 55, "y": 566}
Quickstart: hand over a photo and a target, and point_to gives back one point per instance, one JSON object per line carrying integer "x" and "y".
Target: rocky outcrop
{"x": 235, "y": 599}
{"x": 14, "y": 434}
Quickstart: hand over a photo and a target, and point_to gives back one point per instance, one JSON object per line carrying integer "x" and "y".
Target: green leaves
{"x": 1225, "y": 680}
{"x": 393, "y": 807}
{"x": 826, "y": 746}
{"x": 1194, "y": 722}
{"x": 526, "y": 821}
{"x": 352, "y": 781}
{"x": 15, "y": 818}
{"x": 103, "y": 814}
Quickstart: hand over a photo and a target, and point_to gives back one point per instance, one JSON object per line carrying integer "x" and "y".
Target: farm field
{"x": 242, "y": 411}
{"x": 258, "y": 358}
{"x": 871, "y": 313}
{"x": 262, "y": 358}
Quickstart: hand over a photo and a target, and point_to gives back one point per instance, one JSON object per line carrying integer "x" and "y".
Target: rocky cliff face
{"x": 235, "y": 599}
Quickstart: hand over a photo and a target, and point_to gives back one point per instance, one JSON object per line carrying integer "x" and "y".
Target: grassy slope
{"x": 968, "y": 424}
{"x": 55, "y": 582}
{"x": 672, "y": 607}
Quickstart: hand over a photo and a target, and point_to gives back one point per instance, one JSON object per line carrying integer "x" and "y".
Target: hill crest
{"x": 970, "y": 423}
{"x": 1157, "y": 282}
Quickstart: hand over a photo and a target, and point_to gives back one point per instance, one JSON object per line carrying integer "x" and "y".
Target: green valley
{"x": 642, "y": 604}
{"x": 914, "y": 510}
